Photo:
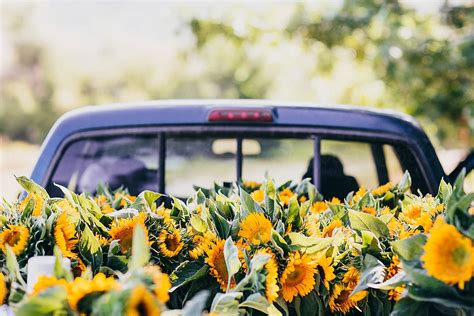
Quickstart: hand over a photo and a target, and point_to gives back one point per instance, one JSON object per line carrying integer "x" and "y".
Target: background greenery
{"x": 416, "y": 57}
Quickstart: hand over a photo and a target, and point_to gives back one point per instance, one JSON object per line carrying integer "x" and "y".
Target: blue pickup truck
{"x": 169, "y": 146}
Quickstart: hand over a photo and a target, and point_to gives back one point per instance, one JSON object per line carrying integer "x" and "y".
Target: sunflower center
{"x": 13, "y": 238}
{"x": 142, "y": 308}
{"x": 221, "y": 267}
{"x": 295, "y": 277}
{"x": 126, "y": 239}
{"x": 172, "y": 242}
{"x": 460, "y": 256}
{"x": 343, "y": 297}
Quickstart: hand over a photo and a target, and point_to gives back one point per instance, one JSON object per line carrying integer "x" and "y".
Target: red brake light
{"x": 241, "y": 115}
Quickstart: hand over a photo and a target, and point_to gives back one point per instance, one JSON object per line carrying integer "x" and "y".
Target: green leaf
{"x": 311, "y": 305}
{"x": 397, "y": 280}
{"x": 140, "y": 250}
{"x": 52, "y": 301}
{"x": 60, "y": 269}
{"x": 409, "y": 307}
{"x": 259, "y": 302}
{"x": 198, "y": 224}
{"x": 279, "y": 242}
{"x": 186, "y": 272}
{"x": 226, "y": 303}
{"x": 444, "y": 191}
{"x": 405, "y": 183}
{"x": 311, "y": 245}
{"x": 195, "y": 306}
{"x": 371, "y": 243}
{"x": 221, "y": 224}
{"x": 258, "y": 261}
{"x": 410, "y": 249}
{"x": 90, "y": 249}
{"x": 361, "y": 221}
{"x": 247, "y": 203}
{"x": 434, "y": 290}
{"x": 146, "y": 199}
{"x": 373, "y": 272}
{"x": 115, "y": 259}
{"x": 232, "y": 262}
{"x": 294, "y": 217}
{"x": 31, "y": 186}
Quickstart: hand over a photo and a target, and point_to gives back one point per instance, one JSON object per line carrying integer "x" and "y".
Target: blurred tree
{"x": 425, "y": 63}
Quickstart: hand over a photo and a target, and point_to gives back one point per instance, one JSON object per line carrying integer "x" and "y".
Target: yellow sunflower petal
{"x": 298, "y": 276}
{"x": 449, "y": 256}
{"x": 256, "y": 229}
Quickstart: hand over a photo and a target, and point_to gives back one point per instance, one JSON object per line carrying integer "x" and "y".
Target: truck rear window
{"x": 174, "y": 163}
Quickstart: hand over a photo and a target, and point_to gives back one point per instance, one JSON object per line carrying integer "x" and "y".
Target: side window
{"x": 345, "y": 166}
{"x": 131, "y": 161}
{"x": 395, "y": 171}
{"x": 198, "y": 161}
{"x": 282, "y": 159}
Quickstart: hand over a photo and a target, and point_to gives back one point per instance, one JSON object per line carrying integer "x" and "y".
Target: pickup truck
{"x": 169, "y": 146}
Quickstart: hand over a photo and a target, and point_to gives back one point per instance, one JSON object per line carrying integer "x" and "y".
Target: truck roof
{"x": 196, "y": 112}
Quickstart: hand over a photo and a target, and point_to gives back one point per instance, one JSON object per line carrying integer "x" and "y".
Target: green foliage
{"x": 422, "y": 64}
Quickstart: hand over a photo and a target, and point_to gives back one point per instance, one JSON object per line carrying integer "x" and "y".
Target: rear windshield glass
{"x": 134, "y": 161}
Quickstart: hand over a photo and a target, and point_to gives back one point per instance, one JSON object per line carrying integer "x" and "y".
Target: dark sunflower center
{"x": 13, "y": 238}
{"x": 296, "y": 276}
{"x": 171, "y": 243}
{"x": 343, "y": 297}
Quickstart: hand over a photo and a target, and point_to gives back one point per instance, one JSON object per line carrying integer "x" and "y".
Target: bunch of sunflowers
{"x": 252, "y": 248}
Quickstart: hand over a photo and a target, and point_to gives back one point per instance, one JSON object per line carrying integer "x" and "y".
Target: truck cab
{"x": 169, "y": 146}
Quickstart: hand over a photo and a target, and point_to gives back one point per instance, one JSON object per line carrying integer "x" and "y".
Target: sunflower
{"x": 201, "y": 244}
{"x": 3, "y": 288}
{"x": 326, "y": 271}
{"x": 16, "y": 236}
{"x": 449, "y": 256}
{"x": 341, "y": 300}
{"x": 141, "y": 302}
{"x": 45, "y": 282}
{"x": 38, "y": 203}
{"x": 329, "y": 230}
{"x": 311, "y": 225}
{"x": 258, "y": 196}
{"x": 217, "y": 267}
{"x": 77, "y": 266}
{"x": 271, "y": 276}
{"x": 251, "y": 184}
{"x": 359, "y": 194}
{"x": 425, "y": 221}
{"x": 335, "y": 200}
{"x": 302, "y": 199}
{"x": 165, "y": 213}
{"x": 256, "y": 228}
{"x": 170, "y": 243}
{"x": 298, "y": 276}
{"x": 411, "y": 213}
{"x": 161, "y": 282}
{"x": 65, "y": 235}
{"x": 351, "y": 277}
{"x": 319, "y": 207}
{"x": 396, "y": 293}
{"x": 381, "y": 190}
{"x": 67, "y": 208}
{"x": 285, "y": 196}
{"x": 395, "y": 227}
{"x": 124, "y": 198}
{"x": 370, "y": 210}
{"x": 80, "y": 288}
{"x": 122, "y": 230}
{"x": 393, "y": 269}
{"x": 404, "y": 234}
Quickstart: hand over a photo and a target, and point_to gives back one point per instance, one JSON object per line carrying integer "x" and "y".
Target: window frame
{"x": 401, "y": 145}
